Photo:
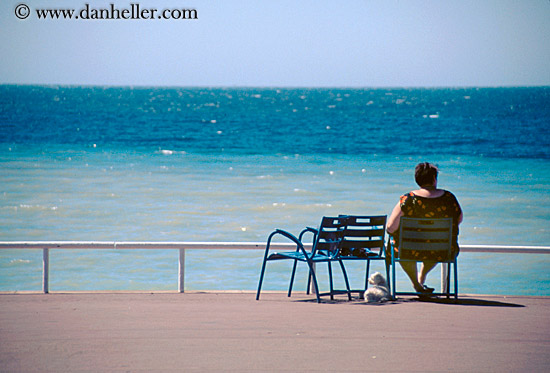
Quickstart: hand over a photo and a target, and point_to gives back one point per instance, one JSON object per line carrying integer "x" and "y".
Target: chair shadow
{"x": 326, "y": 301}
{"x": 450, "y": 301}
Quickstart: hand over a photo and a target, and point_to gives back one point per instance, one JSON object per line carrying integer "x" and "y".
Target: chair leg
{"x": 388, "y": 276}
{"x": 448, "y": 280}
{"x": 393, "y": 279}
{"x": 314, "y": 279}
{"x": 367, "y": 276}
{"x": 261, "y": 280}
{"x": 344, "y": 272}
{"x": 331, "y": 285}
{"x": 292, "y": 277}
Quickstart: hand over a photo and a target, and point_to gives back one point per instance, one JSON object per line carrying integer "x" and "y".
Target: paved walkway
{"x": 149, "y": 332}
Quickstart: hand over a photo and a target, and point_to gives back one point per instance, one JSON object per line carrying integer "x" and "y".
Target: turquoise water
{"x": 112, "y": 170}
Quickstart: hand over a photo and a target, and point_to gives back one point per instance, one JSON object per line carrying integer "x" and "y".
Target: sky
{"x": 280, "y": 43}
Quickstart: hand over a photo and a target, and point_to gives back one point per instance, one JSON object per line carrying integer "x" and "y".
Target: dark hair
{"x": 425, "y": 173}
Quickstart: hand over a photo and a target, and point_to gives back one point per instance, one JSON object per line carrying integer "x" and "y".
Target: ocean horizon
{"x": 233, "y": 164}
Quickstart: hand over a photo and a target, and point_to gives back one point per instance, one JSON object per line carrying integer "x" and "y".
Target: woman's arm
{"x": 393, "y": 221}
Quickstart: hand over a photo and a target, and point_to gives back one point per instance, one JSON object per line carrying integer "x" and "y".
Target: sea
{"x": 156, "y": 164}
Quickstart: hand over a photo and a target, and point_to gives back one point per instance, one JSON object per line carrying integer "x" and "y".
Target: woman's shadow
{"x": 467, "y": 302}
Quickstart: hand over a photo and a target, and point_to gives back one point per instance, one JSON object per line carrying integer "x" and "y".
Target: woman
{"x": 426, "y": 202}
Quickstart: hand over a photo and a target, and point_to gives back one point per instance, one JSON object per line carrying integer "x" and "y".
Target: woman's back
{"x": 444, "y": 205}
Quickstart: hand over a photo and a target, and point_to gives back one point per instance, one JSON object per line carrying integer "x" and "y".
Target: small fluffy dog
{"x": 378, "y": 291}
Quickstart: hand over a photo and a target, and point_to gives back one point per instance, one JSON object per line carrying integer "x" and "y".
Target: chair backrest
{"x": 422, "y": 234}
{"x": 329, "y": 235}
{"x": 363, "y": 232}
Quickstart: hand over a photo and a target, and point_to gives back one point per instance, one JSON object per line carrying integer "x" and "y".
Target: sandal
{"x": 425, "y": 290}
{"x": 428, "y": 289}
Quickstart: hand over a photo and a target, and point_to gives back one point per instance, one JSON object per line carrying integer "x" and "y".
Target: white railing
{"x": 45, "y": 246}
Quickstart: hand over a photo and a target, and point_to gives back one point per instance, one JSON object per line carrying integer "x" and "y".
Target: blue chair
{"x": 325, "y": 249}
{"x": 433, "y": 236}
{"x": 364, "y": 239}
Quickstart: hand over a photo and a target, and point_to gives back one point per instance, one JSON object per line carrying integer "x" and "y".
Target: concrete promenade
{"x": 209, "y": 331}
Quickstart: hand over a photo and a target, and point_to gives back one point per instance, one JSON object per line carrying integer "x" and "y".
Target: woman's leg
{"x": 412, "y": 271}
{"x": 425, "y": 268}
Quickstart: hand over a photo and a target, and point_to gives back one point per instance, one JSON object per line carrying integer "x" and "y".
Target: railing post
{"x": 444, "y": 278}
{"x": 181, "y": 272}
{"x": 46, "y": 270}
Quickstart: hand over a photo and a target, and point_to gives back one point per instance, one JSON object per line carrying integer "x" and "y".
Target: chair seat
{"x": 367, "y": 254}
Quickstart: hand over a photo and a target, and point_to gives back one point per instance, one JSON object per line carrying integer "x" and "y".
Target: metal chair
{"x": 325, "y": 249}
{"x": 425, "y": 236}
{"x": 364, "y": 239}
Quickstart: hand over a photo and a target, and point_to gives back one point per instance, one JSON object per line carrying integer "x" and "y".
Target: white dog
{"x": 378, "y": 292}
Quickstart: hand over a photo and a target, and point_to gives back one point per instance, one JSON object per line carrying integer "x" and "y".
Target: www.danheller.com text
{"x": 134, "y": 11}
